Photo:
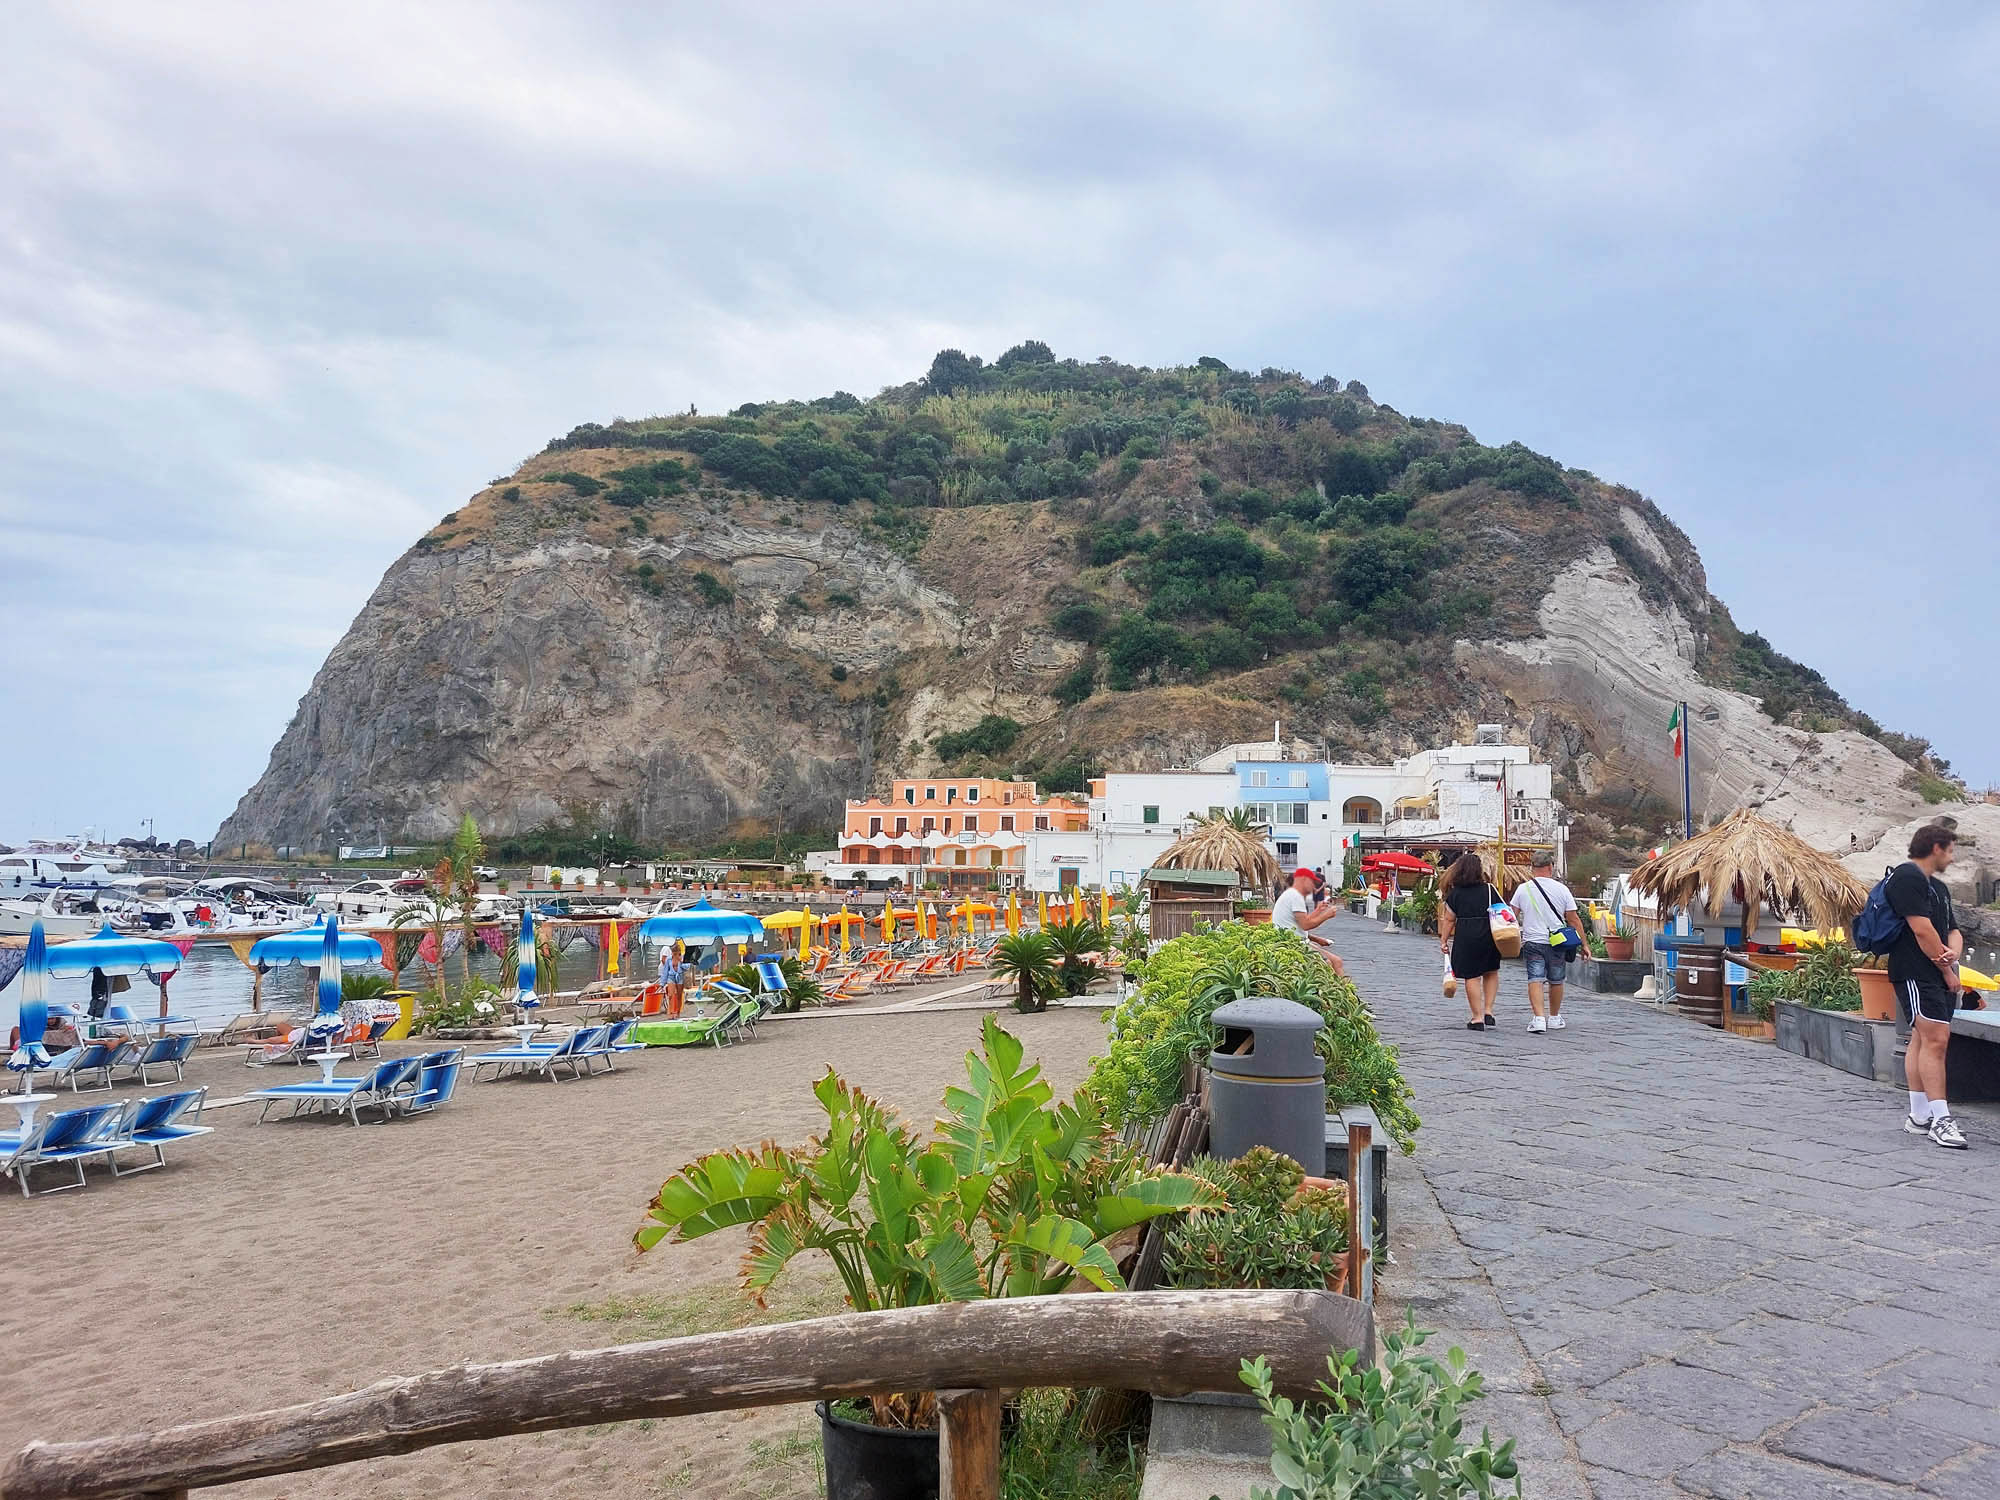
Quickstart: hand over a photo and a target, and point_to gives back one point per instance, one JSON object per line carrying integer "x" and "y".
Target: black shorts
{"x": 1934, "y": 1002}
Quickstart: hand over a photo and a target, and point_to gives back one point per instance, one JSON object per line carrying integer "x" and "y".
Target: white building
{"x": 1312, "y": 808}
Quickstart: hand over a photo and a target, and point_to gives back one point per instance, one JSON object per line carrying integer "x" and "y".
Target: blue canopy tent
{"x": 323, "y": 944}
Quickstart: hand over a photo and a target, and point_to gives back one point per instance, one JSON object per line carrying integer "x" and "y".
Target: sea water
{"x": 212, "y": 985}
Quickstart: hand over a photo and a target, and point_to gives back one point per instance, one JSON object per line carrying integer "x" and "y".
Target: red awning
{"x": 1392, "y": 859}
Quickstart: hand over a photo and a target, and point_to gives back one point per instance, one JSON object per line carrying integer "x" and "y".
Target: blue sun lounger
{"x": 92, "y": 1057}
{"x": 156, "y": 1122}
{"x": 572, "y": 1052}
{"x": 162, "y": 1052}
{"x": 613, "y": 1042}
{"x": 437, "y": 1078}
{"x": 377, "y": 1087}
{"x": 73, "y": 1136}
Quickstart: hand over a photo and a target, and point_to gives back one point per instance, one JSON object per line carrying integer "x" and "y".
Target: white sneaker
{"x": 1538, "y": 1024}
{"x": 1556, "y": 1023}
{"x": 1914, "y": 1126}
{"x": 1945, "y": 1132}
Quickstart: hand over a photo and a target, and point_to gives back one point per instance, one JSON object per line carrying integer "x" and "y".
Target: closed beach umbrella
{"x": 923, "y": 919}
{"x": 843, "y": 927}
{"x": 326, "y": 1023}
{"x": 888, "y": 921}
{"x": 1013, "y": 913}
{"x": 805, "y": 940}
{"x": 31, "y": 1054}
{"x": 1042, "y": 907}
{"x": 1105, "y": 906}
{"x": 524, "y": 962}
{"x": 611, "y": 948}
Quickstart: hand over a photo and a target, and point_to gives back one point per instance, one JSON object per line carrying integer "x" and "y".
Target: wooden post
{"x": 969, "y": 1444}
{"x": 1360, "y": 1210}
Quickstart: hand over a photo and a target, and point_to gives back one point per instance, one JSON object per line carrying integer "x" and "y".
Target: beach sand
{"x": 293, "y": 1260}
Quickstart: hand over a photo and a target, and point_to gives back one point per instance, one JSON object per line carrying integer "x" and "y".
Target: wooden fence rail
{"x": 1165, "y": 1342}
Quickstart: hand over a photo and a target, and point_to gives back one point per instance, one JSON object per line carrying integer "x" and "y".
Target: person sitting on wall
{"x": 1295, "y": 912}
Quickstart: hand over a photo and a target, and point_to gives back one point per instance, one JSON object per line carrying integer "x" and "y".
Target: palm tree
{"x": 467, "y": 850}
{"x": 1074, "y": 942}
{"x": 1030, "y": 959}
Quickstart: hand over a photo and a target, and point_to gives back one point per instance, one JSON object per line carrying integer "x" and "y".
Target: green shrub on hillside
{"x": 993, "y": 735}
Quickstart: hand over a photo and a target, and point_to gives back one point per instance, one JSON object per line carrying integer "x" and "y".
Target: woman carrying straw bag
{"x": 1466, "y": 934}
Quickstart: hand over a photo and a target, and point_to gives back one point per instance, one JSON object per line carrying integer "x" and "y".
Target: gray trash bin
{"x": 1267, "y": 1082}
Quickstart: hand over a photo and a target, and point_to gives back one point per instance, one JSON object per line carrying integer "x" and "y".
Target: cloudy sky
{"x": 282, "y": 284}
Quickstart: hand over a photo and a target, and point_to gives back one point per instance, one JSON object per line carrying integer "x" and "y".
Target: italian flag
{"x": 1675, "y": 735}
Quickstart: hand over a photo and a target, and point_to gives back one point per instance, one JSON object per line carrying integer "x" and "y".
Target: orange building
{"x": 965, "y": 831}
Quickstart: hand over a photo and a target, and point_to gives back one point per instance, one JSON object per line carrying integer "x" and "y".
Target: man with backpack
{"x": 1920, "y": 935}
{"x": 1549, "y": 941}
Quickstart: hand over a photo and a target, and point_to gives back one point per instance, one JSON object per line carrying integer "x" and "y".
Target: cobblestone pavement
{"x": 1687, "y": 1263}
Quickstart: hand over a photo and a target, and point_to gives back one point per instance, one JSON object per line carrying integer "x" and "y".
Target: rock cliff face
{"x": 683, "y": 657}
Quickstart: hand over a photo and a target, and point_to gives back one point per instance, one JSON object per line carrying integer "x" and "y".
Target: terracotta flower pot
{"x": 1255, "y": 915}
{"x": 1619, "y": 949}
{"x": 1878, "y": 995}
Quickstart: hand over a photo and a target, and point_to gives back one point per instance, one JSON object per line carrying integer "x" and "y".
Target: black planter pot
{"x": 865, "y": 1462}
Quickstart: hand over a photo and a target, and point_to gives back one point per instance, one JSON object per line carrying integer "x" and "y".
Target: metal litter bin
{"x": 1267, "y": 1082}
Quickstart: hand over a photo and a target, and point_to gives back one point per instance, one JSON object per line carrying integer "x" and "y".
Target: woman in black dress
{"x": 1467, "y": 935}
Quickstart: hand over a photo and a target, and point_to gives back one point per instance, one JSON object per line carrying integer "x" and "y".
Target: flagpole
{"x": 1687, "y": 775}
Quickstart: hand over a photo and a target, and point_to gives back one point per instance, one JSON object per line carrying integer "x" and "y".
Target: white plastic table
{"x": 527, "y": 1029}
{"x": 25, "y": 1106}
{"x": 327, "y": 1061}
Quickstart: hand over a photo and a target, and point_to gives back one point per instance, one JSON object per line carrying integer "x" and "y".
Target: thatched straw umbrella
{"x": 1766, "y": 864}
{"x": 1225, "y": 843}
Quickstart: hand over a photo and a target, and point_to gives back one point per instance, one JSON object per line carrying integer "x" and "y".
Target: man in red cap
{"x": 1294, "y": 911}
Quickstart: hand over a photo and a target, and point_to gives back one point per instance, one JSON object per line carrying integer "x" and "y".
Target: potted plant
{"x": 1618, "y": 942}
{"x": 1280, "y": 1228}
{"x": 1878, "y": 995}
{"x": 1252, "y": 909}
{"x": 1015, "y": 1196}
{"x": 501, "y": 886}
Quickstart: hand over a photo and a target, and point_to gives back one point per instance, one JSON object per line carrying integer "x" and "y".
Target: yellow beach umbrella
{"x": 888, "y": 922}
{"x": 924, "y": 921}
{"x": 845, "y": 923}
{"x": 611, "y": 948}
{"x": 1105, "y": 906}
{"x": 805, "y": 941}
{"x": 786, "y": 920}
{"x": 1013, "y": 913}
{"x": 1042, "y": 907}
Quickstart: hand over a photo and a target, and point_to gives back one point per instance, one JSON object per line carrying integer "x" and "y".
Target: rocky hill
{"x": 689, "y": 625}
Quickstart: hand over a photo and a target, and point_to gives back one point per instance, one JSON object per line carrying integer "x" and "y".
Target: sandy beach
{"x": 292, "y": 1260}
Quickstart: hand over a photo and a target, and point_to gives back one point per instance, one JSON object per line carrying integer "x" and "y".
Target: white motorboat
{"x": 62, "y": 913}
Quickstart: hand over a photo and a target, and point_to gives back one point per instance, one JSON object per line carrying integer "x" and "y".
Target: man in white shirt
{"x": 1544, "y": 905}
{"x": 1294, "y": 911}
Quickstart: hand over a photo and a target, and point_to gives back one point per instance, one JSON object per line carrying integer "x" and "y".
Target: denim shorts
{"x": 1544, "y": 963}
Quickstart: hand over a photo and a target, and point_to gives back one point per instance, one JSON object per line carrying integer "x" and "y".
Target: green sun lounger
{"x": 683, "y": 1031}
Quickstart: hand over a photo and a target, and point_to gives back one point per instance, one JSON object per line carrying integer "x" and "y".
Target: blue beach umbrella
{"x": 31, "y": 1054}
{"x": 326, "y": 1022}
{"x": 114, "y": 953}
{"x": 701, "y": 923}
{"x": 524, "y": 982}
{"x": 308, "y": 946}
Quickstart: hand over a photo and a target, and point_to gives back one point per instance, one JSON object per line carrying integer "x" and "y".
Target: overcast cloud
{"x": 280, "y": 285}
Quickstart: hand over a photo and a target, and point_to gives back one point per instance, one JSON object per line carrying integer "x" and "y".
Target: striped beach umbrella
{"x": 524, "y": 962}
{"x": 326, "y": 1023}
{"x": 31, "y": 1054}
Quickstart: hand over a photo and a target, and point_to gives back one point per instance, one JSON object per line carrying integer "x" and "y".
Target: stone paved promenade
{"x": 1690, "y": 1264}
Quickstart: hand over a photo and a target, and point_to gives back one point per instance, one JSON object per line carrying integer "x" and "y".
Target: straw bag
{"x": 1506, "y": 928}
